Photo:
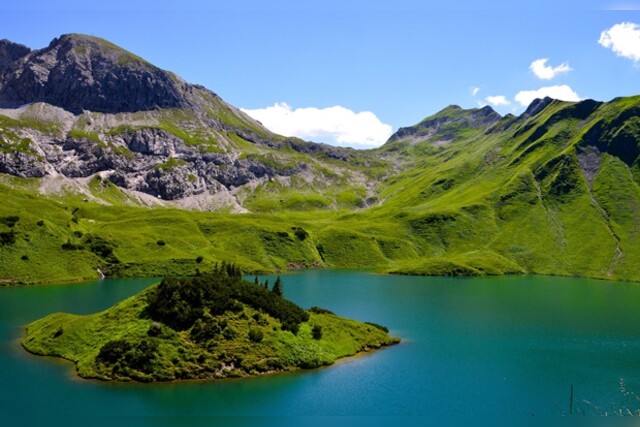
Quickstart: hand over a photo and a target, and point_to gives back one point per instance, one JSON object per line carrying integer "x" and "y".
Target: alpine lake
{"x": 514, "y": 345}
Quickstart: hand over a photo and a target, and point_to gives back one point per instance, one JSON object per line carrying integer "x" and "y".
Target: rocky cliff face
{"x": 9, "y": 52}
{"x": 79, "y": 73}
{"x": 83, "y": 106}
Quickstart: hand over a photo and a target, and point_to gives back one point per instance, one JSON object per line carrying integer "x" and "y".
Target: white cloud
{"x": 623, "y": 39}
{"x": 497, "y": 100}
{"x": 337, "y": 124}
{"x": 474, "y": 91}
{"x": 547, "y": 72}
{"x": 561, "y": 92}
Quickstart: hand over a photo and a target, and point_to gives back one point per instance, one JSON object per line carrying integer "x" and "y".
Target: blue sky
{"x": 380, "y": 65}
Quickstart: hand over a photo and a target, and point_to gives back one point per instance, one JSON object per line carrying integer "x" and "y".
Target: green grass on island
{"x": 215, "y": 325}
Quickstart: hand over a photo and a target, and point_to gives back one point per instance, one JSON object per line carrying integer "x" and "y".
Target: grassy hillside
{"x": 234, "y": 329}
{"x": 553, "y": 191}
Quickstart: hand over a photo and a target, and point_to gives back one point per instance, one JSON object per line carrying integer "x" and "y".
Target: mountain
{"x": 555, "y": 190}
{"x": 78, "y": 73}
{"x": 447, "y": 125}
{"x": 117, "y": 126}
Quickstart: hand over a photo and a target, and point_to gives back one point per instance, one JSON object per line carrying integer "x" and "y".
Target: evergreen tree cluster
{"x": 179, "y": 303}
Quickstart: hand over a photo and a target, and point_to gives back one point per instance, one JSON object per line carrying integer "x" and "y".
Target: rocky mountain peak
{"x": 10, "y": 51}
{"x": 79, "y": 72}
{"x": 536, "y": 106}
{"x": 445, "y": 124}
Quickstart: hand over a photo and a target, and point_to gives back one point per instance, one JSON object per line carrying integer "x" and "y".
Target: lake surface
{"x": 471, "y": 346}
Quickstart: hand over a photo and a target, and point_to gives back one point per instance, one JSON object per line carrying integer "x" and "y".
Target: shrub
{"x": 161, "y": 243}
{"x": 9, "y": 221}
{"x": 7, "y": 237}
{"x": 155, "y": 329}
{"x": 255, "y": 335}
{"x": 113, "y": 351}
{"x": 320, "y": 310}
{"x": 206, "y": 328}
{"x": 100, "y": 246}
{"x": 40, "y": 223}
{"x": 291, "y": 326}
{"x": 300, "y": 233}
{"x": 316, "y": 332}
{"x": 199, "y": 259}
{"x": 69, "y": 246}
{"x": 24, "y": 257}
{"x": 375, "y": 325}
{"x": 229, "y": 334}
{"x": 142, "y": 355}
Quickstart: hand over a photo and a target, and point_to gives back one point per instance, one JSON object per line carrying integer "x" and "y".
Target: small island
{"x": 213, "y": 325}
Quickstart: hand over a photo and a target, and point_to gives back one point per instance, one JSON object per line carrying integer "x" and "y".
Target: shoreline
{"x": 75, "y": 376}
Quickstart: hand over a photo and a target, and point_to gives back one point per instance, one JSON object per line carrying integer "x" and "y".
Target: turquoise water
{"x": 471, "y": 346}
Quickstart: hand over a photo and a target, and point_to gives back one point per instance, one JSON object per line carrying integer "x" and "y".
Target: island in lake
{"x": 213, "y": 325}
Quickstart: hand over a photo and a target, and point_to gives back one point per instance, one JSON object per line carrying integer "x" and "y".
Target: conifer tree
{"x": 277, "y": 287}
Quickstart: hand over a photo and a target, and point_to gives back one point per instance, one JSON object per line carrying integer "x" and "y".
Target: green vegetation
{"x": 214, "y": 325}
{"x": 557, "y": 192}
{"x": 170, "y": 164}
{"x": 89, "y": 136}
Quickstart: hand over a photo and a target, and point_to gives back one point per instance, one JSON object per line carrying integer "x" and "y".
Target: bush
{"x": 199, "y": 259}
{"x": 155, "y": 329}
{"x": 69, "y": 246}
{"x": 113, "y": 351}
{"x": 122, "y": 352}
{"x": 9, "y": 221}
{"x": 58, "y": 332}
{"x": 141, "y": 356}
{"x": 375, "y": 325}
{"x": 99, "y": 246}
{"x": 40, "y": 223}
{"x": 316, "y": 332}
{"x": 206, "y": 328}
{"x": 7, "y": 237}
{"x": 320, "y": 310}
{"x": 161, "y": 243}
{"x": 300, "y": 233}
{"x": 255, "y": 335}
{"x": 24, "y": 257}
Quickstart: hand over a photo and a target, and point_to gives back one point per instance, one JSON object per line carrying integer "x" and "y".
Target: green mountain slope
{"x": 552, "y": 191}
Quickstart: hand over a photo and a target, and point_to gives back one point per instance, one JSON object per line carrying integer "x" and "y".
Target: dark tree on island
{"x": 277, "y": 287}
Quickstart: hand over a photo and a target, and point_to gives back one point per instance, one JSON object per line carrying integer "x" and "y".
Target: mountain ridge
{"x": 142, "y": 129}
{"x": 555, "y": 190}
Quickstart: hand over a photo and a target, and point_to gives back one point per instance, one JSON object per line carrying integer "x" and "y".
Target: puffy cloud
{"x": 337, "y": 125}
{"x": 561, "y": 92}
{"x": 474, "y": 91}
{"x": 497, "y": 100}
{"x": 547, "y": 72}
{"x": 623, "y": 39}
